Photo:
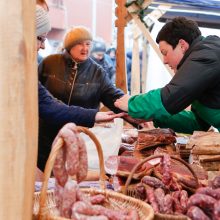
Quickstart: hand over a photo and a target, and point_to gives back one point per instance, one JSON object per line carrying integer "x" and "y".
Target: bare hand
{"x": 107, "y": 116}
{"x": 122, "y": 103}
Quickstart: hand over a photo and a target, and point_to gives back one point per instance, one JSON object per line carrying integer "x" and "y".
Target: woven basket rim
{"x": 118, "y": 197}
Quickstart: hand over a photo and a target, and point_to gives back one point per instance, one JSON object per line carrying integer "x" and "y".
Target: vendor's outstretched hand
{"x": 107, "y": 116}
{"x": 122, "y": 103}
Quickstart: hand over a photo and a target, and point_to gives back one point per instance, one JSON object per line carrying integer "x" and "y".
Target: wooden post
{"x": 145, "y": 48}
{"x": 120, "y": 23}
{"x": 18, "y": 109}
{"x": 135, "y": 68}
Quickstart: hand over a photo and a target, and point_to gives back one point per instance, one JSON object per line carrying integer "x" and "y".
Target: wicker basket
{"x": 44, "y": 201}
{"x": 132, "y": 192}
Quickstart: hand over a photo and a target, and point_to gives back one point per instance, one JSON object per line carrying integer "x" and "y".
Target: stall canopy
{"x": 205, "y": 12}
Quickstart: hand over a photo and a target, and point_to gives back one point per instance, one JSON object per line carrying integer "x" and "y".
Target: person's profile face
{"x": 41, "y": 41}
{"x": 98, "y": 55}
{"x": 171, "y": 57}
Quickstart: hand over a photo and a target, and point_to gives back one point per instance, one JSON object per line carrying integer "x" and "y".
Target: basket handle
{"x": 138, "y": 165}
{"x": 50, "y": 163}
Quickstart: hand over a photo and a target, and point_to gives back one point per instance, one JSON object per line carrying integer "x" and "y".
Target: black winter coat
{"x": 90, "y": 87}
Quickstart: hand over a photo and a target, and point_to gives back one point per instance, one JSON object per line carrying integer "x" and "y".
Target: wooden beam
{"x": 132, "y": 9}
{"x": 18, "y": 109}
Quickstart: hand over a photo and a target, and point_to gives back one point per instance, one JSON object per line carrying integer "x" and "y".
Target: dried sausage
{"x": 58, "y": 192}
{"x": 183, "y": 197}
{"x": 72, "y": 155}
{"x": 204, "y": 202}
{"x": 111, "y": 214}
{"x": 215, "y": 193}
{"x": 59, "y": 169}
{"x": 168, "y": 204}
{"x": 159, "y": 196}
{"x": 153, "y": 182}
{"x": 216, "y": 182}
{"x": 141, "y": 192}
{"x": 83, "y": 161}
{"x": 97, "y": 199}
{"x": 216, "y": 211}
{"x": 69, "y": 198}
{"x": 81, "y": 207}
{"x": 166, "y": 169}
{"x": 195, "y": 213}
{"x": 152, "y": 200}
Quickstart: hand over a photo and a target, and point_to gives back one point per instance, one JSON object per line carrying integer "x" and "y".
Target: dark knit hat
{"x": 98, "y": 46}
{"x": 76, "y": 35}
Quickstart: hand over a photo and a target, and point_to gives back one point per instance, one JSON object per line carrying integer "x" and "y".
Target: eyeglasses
{"x": 41, "y": 39}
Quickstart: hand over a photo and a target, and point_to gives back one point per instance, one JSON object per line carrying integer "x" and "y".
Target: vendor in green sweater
{"x": 196, "y": 63}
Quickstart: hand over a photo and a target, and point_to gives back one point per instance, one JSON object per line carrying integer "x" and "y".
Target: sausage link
{"x": 97, "y": 199}
{"x": 69, "y": 198}
{"x": 195, "y": 213}
{"x": 166, "y": 169}
{"x": 159, "y": 196}
{"x": 215, "y": 193}
{"x": 216, "y": 211}
{"x": 58, "y": 195}
{"x": 204, "y": 202}
{"x": 72, "y": 156}
{"x": 152, "y": 200}
{"x": 141, "y": 192}
{"x": 81, "y": 207}
{"x": 168, "y": 204}
{"x": 216, "y": 182}
{"x": 59, "y": 169}
{"x": 183, "y": 200}
{"x": 153, "y": 182}
{"x": 83, "y": 161}
{"x": 111, "y": 214}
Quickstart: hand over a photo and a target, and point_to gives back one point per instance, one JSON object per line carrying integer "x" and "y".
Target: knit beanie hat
{"x": 42, "y": 21}
{"x": 98, "y": 46}
{"x": 76, "y": 35}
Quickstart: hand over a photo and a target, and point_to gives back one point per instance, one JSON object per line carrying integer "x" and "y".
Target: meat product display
{"x": 195, "y": 213}
{"x": 71, "y": 202}
{"x": 154, "y": 137}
